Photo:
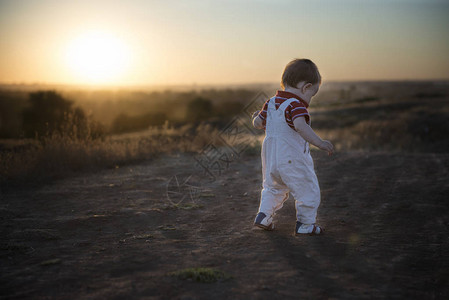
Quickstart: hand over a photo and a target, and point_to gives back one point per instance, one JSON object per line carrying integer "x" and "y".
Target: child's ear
{"x": 306, "y": 86}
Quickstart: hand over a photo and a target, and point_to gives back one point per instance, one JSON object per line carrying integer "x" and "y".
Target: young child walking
{"x": 287, "y": 165}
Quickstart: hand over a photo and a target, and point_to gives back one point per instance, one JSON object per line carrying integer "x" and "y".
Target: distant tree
{"x": 11, "y": 107}
{"x": 228, "y": 109}
{"x": 49, "y": 112}
{"x": 199, "y": 109}
{"x": 45, "y": 114}
{"x": 125, "y": 123}
{"x": 75, "y": 125}
{"x": 347, "y": 94}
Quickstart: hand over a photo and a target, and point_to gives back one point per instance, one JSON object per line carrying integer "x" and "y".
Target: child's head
{"x": 300, "y": 70}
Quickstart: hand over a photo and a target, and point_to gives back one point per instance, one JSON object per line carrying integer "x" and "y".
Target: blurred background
{"x": 93, "y": 84}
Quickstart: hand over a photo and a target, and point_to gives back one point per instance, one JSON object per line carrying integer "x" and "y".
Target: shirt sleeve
{"x": 295, "y": 110}
{"x": 263, "y": 113}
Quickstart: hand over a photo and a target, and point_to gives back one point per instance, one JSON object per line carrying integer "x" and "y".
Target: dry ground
{"x": 115, "y": 235}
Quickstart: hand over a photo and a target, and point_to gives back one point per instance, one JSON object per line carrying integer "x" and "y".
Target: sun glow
{"x": 98, "y": 57}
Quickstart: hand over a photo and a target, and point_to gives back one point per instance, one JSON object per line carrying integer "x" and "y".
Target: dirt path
{"x": 114, "y": 235}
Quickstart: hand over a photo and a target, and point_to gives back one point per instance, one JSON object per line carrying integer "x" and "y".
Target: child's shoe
{"x": 310, "y": 229}
{"x": 264, "y": 222}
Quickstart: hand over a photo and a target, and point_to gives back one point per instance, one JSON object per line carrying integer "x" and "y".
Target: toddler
{"x": 287, "y": 165}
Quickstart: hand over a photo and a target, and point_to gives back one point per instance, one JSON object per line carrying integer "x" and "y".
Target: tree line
{"x": 47, "y": 112}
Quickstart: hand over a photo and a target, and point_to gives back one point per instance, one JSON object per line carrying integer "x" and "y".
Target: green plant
{"x": 204, "y": 275}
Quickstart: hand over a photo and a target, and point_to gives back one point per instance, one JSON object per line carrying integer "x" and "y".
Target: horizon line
{"x": 196, "y": 85}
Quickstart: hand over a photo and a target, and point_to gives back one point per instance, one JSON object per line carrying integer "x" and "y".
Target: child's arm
{"x": 257, "y": 122}
{"x": 310, "y": 136}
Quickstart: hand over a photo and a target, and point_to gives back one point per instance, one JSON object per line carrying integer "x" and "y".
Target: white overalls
{"x": 287, "y": 166}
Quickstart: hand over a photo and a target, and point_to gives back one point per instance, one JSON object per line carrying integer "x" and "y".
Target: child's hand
{"x": 327, "y": 146}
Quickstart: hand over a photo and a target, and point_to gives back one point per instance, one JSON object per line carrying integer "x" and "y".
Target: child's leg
{"x": 307, "y": 200}
{"x": 274, "y": 192}
{"x": 303, "y": 183}
{"x": 272, "y": 199}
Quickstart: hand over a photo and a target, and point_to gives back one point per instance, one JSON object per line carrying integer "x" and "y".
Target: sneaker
{"x": 264, "y": 222}
{"x": 310, "y": 229}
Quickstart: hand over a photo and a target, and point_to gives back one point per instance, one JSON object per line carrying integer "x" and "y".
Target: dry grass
{"x": 404, "y": 125}
{"x": 394, "y": 126}
{"x": 58, "y": 155}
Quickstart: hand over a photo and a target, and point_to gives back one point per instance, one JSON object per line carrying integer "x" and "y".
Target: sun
{"x": 98, "y": 57}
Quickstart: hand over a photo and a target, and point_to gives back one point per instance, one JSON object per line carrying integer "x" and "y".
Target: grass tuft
{"x": 51, "y": 262}
{"x": 144, "y": 236}
{"x": 203, "y": 275}
{"x": 185, "y": 206}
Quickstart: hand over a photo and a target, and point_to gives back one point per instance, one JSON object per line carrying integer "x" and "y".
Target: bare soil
{"x": 116, "y": 235}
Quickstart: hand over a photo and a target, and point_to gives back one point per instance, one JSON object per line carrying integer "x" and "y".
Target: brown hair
{"x": 300, "y": 69}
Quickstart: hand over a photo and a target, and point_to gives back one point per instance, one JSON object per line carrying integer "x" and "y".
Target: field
{"x": 143, "y": 220}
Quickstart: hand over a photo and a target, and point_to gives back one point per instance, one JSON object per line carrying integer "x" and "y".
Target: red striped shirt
{"x": 294, "y": 110}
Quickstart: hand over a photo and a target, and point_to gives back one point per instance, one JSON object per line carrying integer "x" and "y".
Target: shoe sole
{"x": 267, "y": 228}
{"x": 311, "y": 234}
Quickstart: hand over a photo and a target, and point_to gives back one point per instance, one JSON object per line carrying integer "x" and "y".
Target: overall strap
{"x": 272, "y": 103}
{"x": 286, "y": 103}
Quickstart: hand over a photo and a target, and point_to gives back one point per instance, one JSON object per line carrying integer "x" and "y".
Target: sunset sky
{"x": 144, "y": 42}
